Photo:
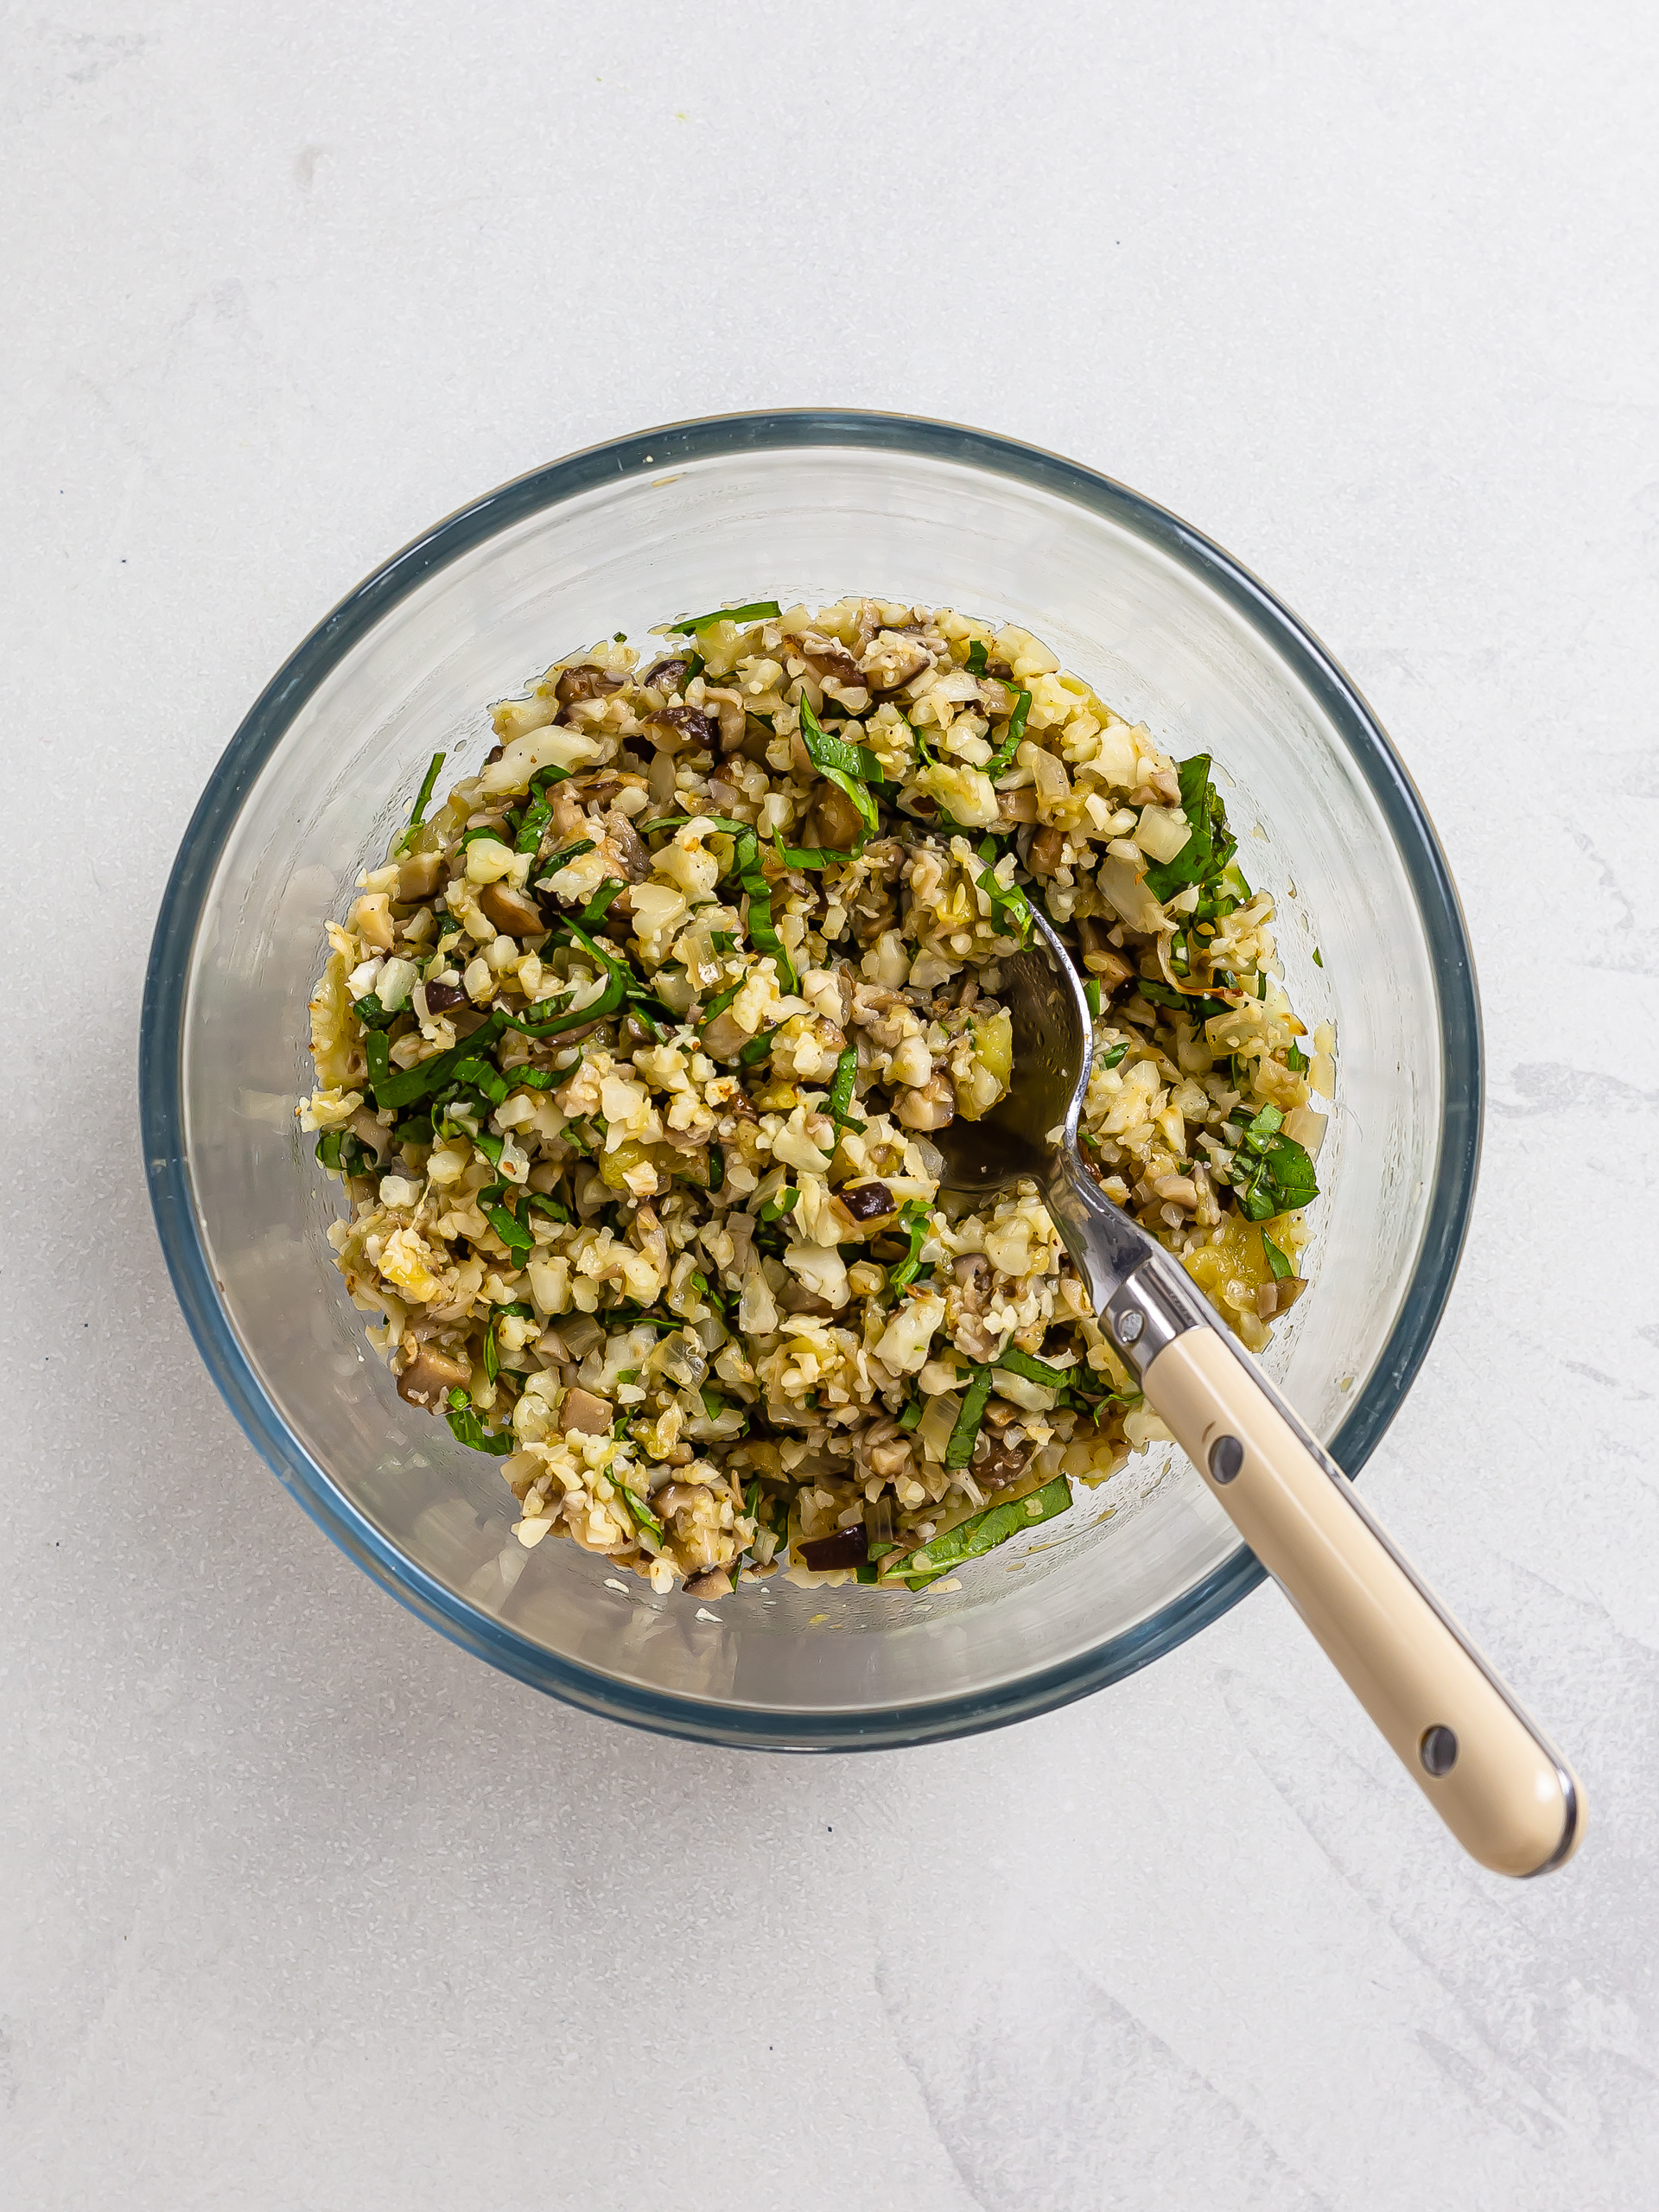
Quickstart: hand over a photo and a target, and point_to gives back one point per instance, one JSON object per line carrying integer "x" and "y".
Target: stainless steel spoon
{"x": 1506, "y": 1794}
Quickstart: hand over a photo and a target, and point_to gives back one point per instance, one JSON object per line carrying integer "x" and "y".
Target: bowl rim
{"x": 160, "y": 1058}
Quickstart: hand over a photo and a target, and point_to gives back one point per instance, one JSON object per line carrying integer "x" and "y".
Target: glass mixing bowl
{"x": 806, "y": 506}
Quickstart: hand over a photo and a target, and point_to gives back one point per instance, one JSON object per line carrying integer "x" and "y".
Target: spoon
{"x": 1506, "y": 1794}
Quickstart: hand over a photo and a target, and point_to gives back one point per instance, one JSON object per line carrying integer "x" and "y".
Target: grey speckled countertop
{"x": 299, "y": 1907}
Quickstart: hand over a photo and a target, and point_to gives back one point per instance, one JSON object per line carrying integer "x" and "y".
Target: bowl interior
{"x": 325, "y": 771}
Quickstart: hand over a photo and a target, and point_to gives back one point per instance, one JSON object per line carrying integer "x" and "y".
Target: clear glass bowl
{"x": 807, "y": 506}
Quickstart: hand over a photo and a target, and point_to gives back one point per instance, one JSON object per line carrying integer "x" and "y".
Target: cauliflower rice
{"x": 630, "y": 1055}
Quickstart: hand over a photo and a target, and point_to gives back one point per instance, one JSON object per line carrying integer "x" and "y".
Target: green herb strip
{"x": 810, "y": 856}
{"x": 1201, "y": 1008}
{"x": 745, "y": 862}
{"x": 970, "y": 1539}
{"x": 964, "y": 1437}
{"x": 977, "y": 657}
{"x": 562, "y": 859}
{"x": 534, "y": 821}
{"x": 758, "y": 610}
{"x": 718, "y": 1005}
{"x": 1009, "y": 897}
{"x": 512, "y": 1233}
{"x": 913, "y": 1218}
{"x": 369, "y": 1012}
{"x": 841, "y": 1092}
{"x": 642, "y": 1513}
{"x": 1003, "y": 758}
{"x": 1272, "y": 1173}
{"x": 478, "y": 1075}
{"x": 599, "y": 905}
{"x": 756, "y": 1049}
{"x": 1209, "y": 847}
{"x": 1034, "y": 1370}
{"x": 429, "y": 784}
{"x": 851, "y": 768}
{"x": 345, "y": 1154}
{"x": 408, "y": 1085}
{"x": 466, "y": 1428}
{"x": 1276, "y": 1259}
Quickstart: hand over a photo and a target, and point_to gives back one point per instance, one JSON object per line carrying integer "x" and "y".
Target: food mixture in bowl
{"x": 630, "y": 1055}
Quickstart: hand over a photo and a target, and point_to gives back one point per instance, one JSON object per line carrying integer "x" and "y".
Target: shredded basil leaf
{"x": 1003, "y": 758}
{"x": 429, "y": 783}
{"x": 745, "y": 862}
{"x": 965, "y": 1434}
{"x": 1276, "y": 1259}
{"x": 912, "y": 1218}
{"x": 1034, "y": 1370}
{"x": 841, "y": 1092}
{"x": 1011, "y": 899}
{"x": 466, "y": 1428}
{"x": 636, "y": 1505}
{"x": 512, "y": 1233}
{"x": 970, "y": 1539}
{"x": 377, "y": 1049}
{"x": 851, "y": 768}
{"x": 758, "y": 610}
{"x": 563, "y": 859}
{"x": 1209, "y": 847}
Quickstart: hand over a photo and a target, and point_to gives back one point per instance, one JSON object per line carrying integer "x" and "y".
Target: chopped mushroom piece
{"x": 931, "y": 1107}
{"x": 671, "y": 727}
{"x": 893, "y": 661}
{"x": 586, "y": 683}
{"x": 825, "y": 657}
{"x": 1098, "y": 958}
{"x": 667, "y": 676}
{"x": 710, "y": 1582}
{"x": 624, "y": 845}
{"x": 512, "y": 911}
{"x": 867, "y": 1201}
{"x": 419, "y": 876}
{"x": 585, "y": 1413}
{"x": 430, "y": 1377}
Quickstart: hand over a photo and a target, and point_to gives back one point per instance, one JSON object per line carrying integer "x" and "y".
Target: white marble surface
{"x": 299, "y": 1907}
